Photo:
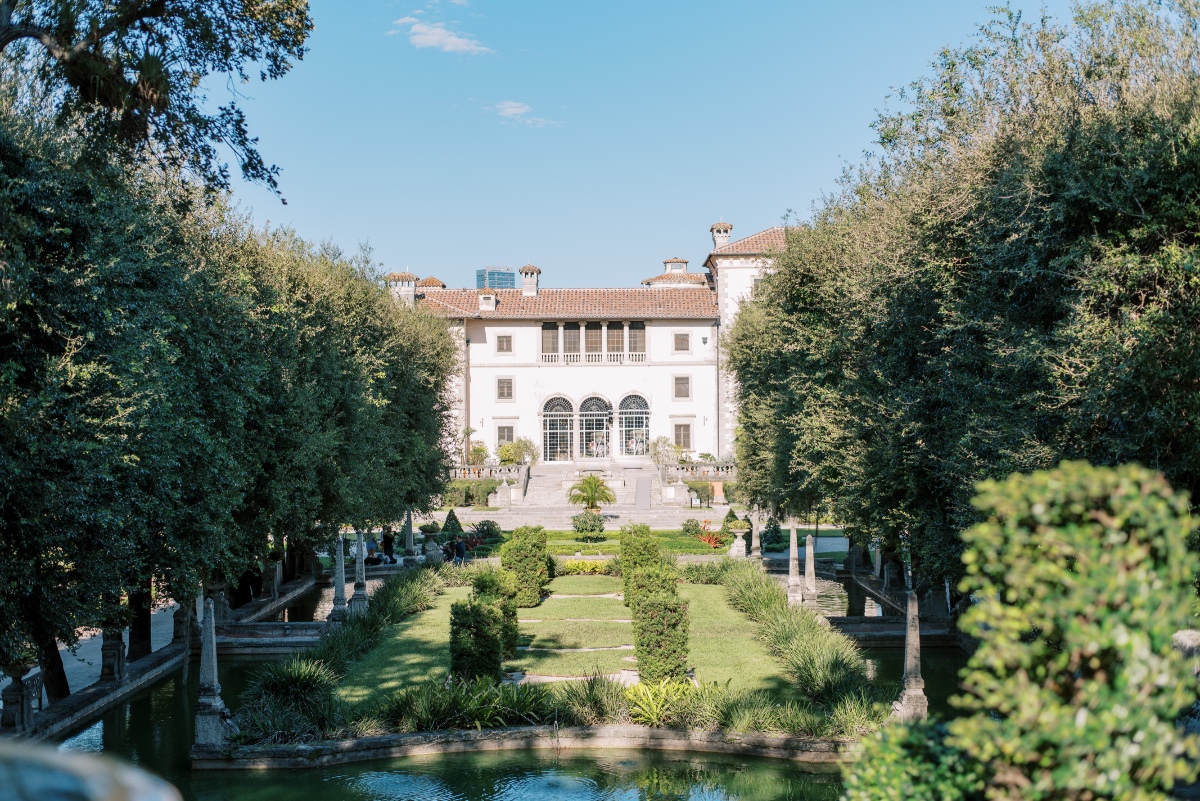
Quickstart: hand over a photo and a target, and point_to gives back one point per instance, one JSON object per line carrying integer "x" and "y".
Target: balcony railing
{"x": 636, "y": 357}
{"x": 616, "y": 358}
{"x": 593, "y": 358}
{"x": 549, "y": 358}
{"x": 571, "y": 358}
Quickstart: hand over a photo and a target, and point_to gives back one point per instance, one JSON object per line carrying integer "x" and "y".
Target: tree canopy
{"x": 1009, "y": 280}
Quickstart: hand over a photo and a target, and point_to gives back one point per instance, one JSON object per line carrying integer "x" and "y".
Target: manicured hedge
{"x": 638, "y": 549}
{"x": 647, "y": 581}
{"x": 660, "y": 638}
{"x": 469, "y": 492}
{"x": 527, "y": 557}
{"x": 498, "y": 586}
{"x": 476, "y": 639}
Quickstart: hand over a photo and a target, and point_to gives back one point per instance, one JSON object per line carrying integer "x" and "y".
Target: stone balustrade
{"x": 698, "y": 471}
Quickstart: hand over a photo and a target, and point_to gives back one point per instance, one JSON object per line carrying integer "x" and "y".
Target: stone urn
{"x": 433, "y": 551}
{"x": 17, "y": 671}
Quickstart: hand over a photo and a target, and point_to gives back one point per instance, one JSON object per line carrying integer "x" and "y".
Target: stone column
{"x": 409, "y": 548}
{"x": 810, "y": 567}
{"x": 212, "y": 730}
{"x": 795, "y": 593}
{"x": 338, "y": 613}
{"x": 756, "y": 539}
{"x": 112, "y": 656}
{"x": 358, "y": 601}
{"x": 878, "y": 563}
{"x": 17, "y": 697}
{"x": 913, "y": 705}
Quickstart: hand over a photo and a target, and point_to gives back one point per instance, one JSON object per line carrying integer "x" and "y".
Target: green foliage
{"x": 587, "y": 567}
{"x": 660, "y": 637}
{"x": 651, "y": 704}
{"x": 487, "y": 530}
{"x": 647, "y": 581}
{"x": 772, "y": 537}
{"x": 917, "y": 762}
{"x": 126, "y": 74}
{"x": 589, "y": 526}
{"x": 703, "y": 572}
{"x": 497, "y": 586}
{"x": 521, "y": 450}
{"x": 468, "y": 492}
{"x": 638, "y": 549}
{"x": 691, "y": 528}
{"x": 529, "y": 560}
{"x": 1083, "y": 577}
{"x": 459, "y": 704}
{"x": 589, "y": 492}
{"x": 476, "y": 639}
{"x": 432, "y": 527}
{"x": 1003, "y": 284}
{"x": 703, "y": 491}
{"x": 451, "y": 527}
{"x": 593, "y": 701}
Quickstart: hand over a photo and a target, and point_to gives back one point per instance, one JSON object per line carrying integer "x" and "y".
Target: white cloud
{"x": 437, "y": 36}
{"x": 519, "y": 112}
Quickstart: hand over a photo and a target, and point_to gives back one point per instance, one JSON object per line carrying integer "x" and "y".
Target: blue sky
{"x": 591, "y": 139}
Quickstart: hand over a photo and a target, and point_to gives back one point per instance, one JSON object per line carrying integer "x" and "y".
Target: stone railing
{"x": 698, "y": 471}
{"x": 516, "y": 474}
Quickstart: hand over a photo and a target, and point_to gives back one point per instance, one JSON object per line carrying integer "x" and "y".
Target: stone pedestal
{"x": 409, "y": 548}
{"x": 358, "y": 601}
{"x": 213, "y": 726}
{"x": 756, "y": 540}
{"x": 878, "y": 563}
{"x": 891, "y": 575}
{"x": 112, "y": 656}
{"x": 810, "y": 568}
{"x": 338, "y": 613}
{"x": 913, "y": 705}
{"x": 433, "y": 551}
{"x": 794, "y": 587}
{"x": 183, "y": 622}
{"x": 737, "y": 548}
{"x": 17, "y": 713}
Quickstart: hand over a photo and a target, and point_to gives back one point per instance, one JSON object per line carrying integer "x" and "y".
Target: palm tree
{"x": 590, "y": 492}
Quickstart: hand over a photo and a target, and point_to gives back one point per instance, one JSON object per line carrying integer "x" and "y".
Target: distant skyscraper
{"x": 495, "y": 278}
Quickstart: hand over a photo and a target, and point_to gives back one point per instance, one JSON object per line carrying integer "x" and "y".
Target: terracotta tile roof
{"x": 404, "y": 276}
{"x": 675, "y": 260}
{"x": 643, "y": 303}
{"x": 678, "y": 278}
{"x": 432, "y": 283}
{"x": 755, "y": 244}
{"x": 721, "y": 226}
{"x": 530, "y": 269}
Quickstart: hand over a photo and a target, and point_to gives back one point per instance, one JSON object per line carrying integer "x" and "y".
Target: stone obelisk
{"x": 410, "y": 549}
{"x": 913, "y": 705}
{"x": 756, "y": 540}
{"x": 810, "y": 568}
{"x": 358, "y": 601}
{"x": 212, "y": 728}
{"x": 794, "y": 588}
{"x": 338, "y": 613}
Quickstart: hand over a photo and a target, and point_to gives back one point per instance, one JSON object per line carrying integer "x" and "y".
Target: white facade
{"x": 595, "y": 375}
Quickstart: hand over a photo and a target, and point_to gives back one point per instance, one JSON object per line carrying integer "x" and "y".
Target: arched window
{"x": 595, "y": 425}
{"x": 557, "y": 430}
{"x": 634, "y": 417}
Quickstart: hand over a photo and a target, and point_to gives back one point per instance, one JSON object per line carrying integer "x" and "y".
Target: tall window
{"x": 637, "y": 337}
{"x": 683, "y": 387}
{"x": 571, "y": 338}
{"x": 549, "y": 338}
{"x": 595, "y": 422}
{"x": 558, "y": 429}
{"x": 504, "y": 344}
{"x": 683, "y": 436}
{"x": 504, "y": 435}
{"x": 634, "y": 415}
{"x": 616, "y": 338}
{"x": 504, "y": 389}
{"x": 683, "y": 343}
{"x": 591, "y": 341}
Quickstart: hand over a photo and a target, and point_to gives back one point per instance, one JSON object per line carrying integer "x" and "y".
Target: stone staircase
{"x": 549, "y": 483}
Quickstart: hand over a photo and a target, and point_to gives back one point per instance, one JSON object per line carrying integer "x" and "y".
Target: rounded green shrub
{"x": 639, "y": 548}
{"x": 647, "y": 581}
{"x": 589, "y": 526}
{"x": 452, "y": 526}
{"x": 476, "y": 639}
{"x": 528, "y": 558}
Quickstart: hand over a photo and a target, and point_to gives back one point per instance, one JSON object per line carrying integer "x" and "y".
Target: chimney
{"x": 402, "y": 286}
{"x": 529, "y": 281}
{"x": 487, "y": 300}
{"x": 720, "y": 234}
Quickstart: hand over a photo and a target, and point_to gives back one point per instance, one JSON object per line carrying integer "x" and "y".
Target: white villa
{"x": 597, "y": 374}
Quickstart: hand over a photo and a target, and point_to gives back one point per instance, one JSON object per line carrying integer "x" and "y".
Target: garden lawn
{"x": 564, "y": 543}
{"x": 721, "y": 640}
{"x": 415, "y": 649}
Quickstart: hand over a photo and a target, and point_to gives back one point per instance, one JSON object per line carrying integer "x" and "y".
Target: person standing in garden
{"x": 460, "y": 551}
{"x": 389, "y": 545}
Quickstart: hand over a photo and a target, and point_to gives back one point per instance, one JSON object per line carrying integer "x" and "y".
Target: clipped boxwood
{"x": 527, "y": 556}
{"x": 476, "y": 639}
{"x": 647, "y": 581}
{"x": 589, "y": 526}
{"x": 660, "y": 638}
{"x": 498, "y": 587}
{"x": 638, "y": 549}
{"x": 451, "y": 526}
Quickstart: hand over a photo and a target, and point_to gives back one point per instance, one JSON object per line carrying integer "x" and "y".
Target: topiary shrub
{"x": 452, "y": 526}
{"x": 660, "y": 638}
{"x": 647, "y": 581}
{"x": 771, "y": 538}
{"x": 487, "y": 530}
{"x": 589, "y": 526}
{"x": 1082, "y": 576}
{"x": 476, "y": 639}
{"x": 527, "y": 556}
{"x": 638, "y": 549}
{"x": 498, "y": 587}
{"x": 691, "y": 528}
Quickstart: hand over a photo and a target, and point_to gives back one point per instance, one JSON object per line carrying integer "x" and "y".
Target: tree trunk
{"x": 54, "y": 675}
{"x": 139, "y": 624}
